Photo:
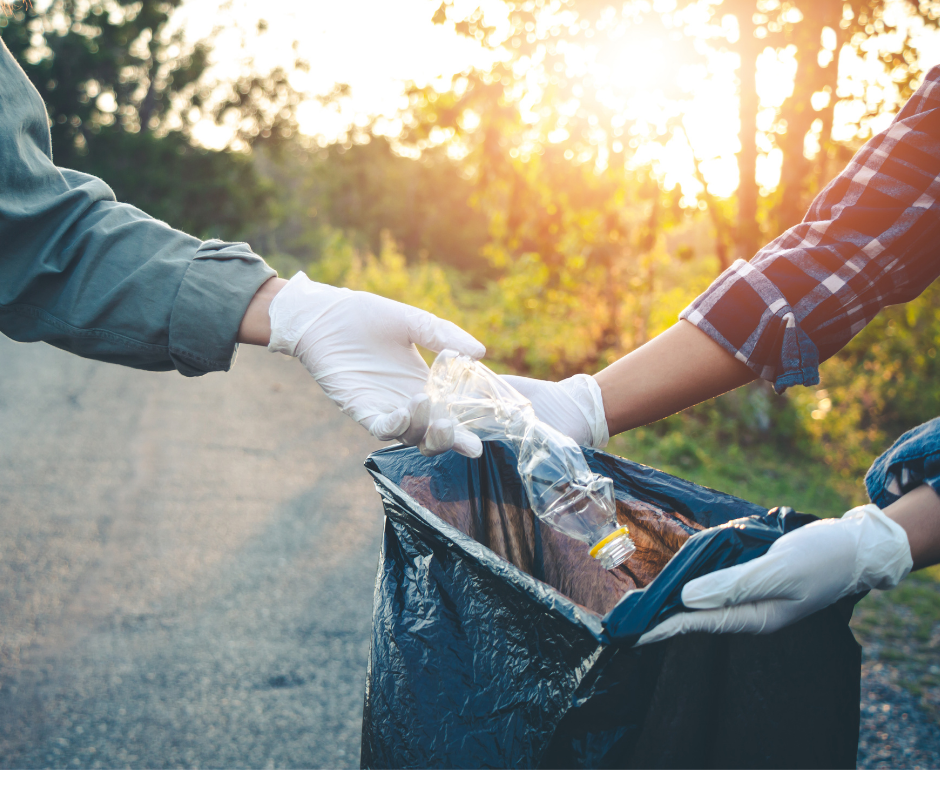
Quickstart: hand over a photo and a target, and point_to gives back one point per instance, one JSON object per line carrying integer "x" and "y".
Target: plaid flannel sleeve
{"x": 870, "y": 239}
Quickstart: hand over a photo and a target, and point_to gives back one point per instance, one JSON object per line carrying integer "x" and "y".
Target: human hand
{"x": 804, "y": 571}
{"x": 574, "y": 406}
{"x": 360, "y": 348}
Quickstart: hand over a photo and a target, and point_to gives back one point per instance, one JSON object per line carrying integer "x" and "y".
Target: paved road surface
{"x": 186, "y": 566}
{"x": 186, "y": 571}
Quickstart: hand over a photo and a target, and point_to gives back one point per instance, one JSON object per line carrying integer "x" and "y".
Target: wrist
{"x": 673, "y": 371}
{"x": 255, "y": 328}
{"x": 881, "y": 548}
{"x": 918, "y": 514}
{"x": 587, "y": 397}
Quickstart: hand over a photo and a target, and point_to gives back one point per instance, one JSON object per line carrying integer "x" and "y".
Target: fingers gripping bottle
{"x": 562, "y": 489}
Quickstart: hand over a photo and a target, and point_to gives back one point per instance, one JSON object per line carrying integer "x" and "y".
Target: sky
{"x": 375, "y": 46}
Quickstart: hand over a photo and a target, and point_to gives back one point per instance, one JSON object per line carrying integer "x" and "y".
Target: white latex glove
{"x": 573, "y": 406}
{"x": 804, "y": 571}
{"x": 360, "y": 348}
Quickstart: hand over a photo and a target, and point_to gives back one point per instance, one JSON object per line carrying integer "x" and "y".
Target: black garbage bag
{"x": 498, "y": 642}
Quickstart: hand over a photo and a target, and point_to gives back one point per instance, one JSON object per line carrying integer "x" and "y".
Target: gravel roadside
{"x": 900, "y": 695}
{"x": 896, "y": 731}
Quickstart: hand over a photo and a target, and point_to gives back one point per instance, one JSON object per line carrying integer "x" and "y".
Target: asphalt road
{"x": 186, "y": 566}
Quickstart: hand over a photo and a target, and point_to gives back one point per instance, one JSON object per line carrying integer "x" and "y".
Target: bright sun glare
{"x": 375, "y": 46}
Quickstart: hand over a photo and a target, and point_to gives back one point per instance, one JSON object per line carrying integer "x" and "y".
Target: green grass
{"x": 759, "y": 472}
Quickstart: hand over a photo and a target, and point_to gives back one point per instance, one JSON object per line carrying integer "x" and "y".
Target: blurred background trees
{"x": 815, "y": 35}
{"x": 563, "y": 202}
{"x": 123, "y": 92}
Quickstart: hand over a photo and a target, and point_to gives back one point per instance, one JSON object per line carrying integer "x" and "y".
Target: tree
{"x": 817, "y": 35}
{"x": 576, "y": 221}
{"x": 365, "y": 189}
{"x": 105, "y": 64}
{"x": 824, "y": 33}
{"x": 123, "y": 92}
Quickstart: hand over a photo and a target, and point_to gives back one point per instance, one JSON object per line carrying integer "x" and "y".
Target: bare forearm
{"x": 255, "y": 328}
{"x": 918, "y": 513}
{"x": 679, "y": 368}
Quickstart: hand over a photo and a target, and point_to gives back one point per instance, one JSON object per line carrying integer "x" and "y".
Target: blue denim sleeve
{"x": 913, "y": 460}
{"x": 99, "y": 278}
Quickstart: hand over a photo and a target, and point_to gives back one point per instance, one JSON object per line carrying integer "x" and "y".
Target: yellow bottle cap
{"x": 608, "y": 539}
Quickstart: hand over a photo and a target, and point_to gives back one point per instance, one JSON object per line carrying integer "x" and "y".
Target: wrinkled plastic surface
{"x": 714, "y": 548}
{"x": 498, "y": 642}
{"x": 561, "y": 488}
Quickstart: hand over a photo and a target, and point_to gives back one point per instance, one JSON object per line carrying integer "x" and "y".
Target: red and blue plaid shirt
{"x": 870, "y": 239}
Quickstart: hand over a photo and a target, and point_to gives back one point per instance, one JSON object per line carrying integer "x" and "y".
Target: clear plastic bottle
{"x": 562, "y": 489}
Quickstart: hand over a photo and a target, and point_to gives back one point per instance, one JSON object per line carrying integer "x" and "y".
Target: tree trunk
{"x": 748, "y": 47}
{"x": 797, "y": 175}
{"x": 722, "y": 232}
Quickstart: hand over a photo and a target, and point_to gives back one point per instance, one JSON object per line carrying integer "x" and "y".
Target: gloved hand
{"x": 804, "y": 571}
{"x": 360, "y": 348}
{"x": 574, "y": 406}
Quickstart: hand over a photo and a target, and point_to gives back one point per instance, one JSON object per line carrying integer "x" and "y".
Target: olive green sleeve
{"x": 100, "y": 278}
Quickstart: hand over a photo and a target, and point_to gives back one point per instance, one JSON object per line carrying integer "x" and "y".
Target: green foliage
{"x": 765, "y": 472}
{"x": 423, "y": 285}
{"x": 751, "y": 442}
{"x": 584, "y": 240}
{"x": 513, "y": 203}
{"x": 367, "y": 190}
{"x": 880, "y": 385}
{"x": 100, "y": 64}
{"x": 823, "y": 438}
{"x": 211, "y": 194}
{"x": 123, "y": 93}
{"x": 576, "y": 227}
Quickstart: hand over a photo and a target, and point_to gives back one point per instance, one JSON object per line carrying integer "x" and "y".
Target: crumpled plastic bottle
{"x": 563, "y": 491}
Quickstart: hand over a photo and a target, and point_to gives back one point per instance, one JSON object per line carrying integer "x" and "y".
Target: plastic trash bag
{"x": 499, "y": 642}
